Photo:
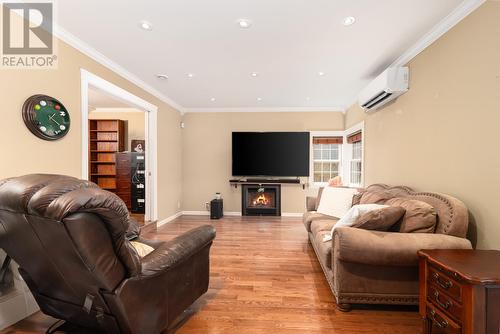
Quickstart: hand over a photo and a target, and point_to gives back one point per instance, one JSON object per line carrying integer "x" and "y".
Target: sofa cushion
{"x": 322, "y": 225}
{"x": 375, "y": 197}
{"x": 420, "y": 217}
{"x": 381, "y": 219}
{"x": 324, "y": 249}
{"x": 310, "y": 216}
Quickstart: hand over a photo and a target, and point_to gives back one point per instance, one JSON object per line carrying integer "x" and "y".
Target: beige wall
{"x": 442, "y": 135}
{"x": 206, "y": 156}
{"x": 135, "y": 123}
{"x": 24, "y": 153}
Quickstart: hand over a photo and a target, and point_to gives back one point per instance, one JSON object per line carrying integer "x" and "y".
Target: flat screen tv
{"x": 270, "y": 153}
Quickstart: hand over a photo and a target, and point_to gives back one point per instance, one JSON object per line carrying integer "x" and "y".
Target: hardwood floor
{"x": 265, "y": 278}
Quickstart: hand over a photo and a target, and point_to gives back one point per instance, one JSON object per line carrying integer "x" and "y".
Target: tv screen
{"x": 270, "y": 153}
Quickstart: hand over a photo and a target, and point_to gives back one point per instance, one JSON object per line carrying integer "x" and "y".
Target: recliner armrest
{"x": 175, "y": 251}
{"x": 388, "y": 248}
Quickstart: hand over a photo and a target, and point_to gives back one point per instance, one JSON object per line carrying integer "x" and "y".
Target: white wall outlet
{"x": 207, "y": 206}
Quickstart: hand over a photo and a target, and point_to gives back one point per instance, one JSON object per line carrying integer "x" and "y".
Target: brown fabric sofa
{"x": 372, "y": 267}
{"x": 69, "y": 238}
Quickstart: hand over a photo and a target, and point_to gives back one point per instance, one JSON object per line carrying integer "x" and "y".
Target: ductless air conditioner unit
{"x": 386, "y": 87}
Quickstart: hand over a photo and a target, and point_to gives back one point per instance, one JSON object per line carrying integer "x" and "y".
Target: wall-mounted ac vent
{"x": 386, "y": 87}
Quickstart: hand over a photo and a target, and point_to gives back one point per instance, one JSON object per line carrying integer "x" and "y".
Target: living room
{"x": 304, "y": 77}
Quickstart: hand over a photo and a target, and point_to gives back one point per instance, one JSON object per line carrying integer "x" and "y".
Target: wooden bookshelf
{"x": 106, "y": 138}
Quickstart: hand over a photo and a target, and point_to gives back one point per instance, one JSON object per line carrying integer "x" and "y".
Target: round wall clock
{"x": 46, "y": 117}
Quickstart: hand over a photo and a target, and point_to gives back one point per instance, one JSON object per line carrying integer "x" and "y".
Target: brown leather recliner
{"x": 68, "y": 237}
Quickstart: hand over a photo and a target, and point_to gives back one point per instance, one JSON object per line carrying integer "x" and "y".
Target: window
{"x": 337, "y": 153}
{"x": 326, "y": 158}
{"x": 355, "y": 166}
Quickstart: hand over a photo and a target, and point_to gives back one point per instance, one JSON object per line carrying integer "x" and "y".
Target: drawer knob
{"x": 446, "y": 305}
{"x": 441, "y": 323}
{"x": 442, "y": 283}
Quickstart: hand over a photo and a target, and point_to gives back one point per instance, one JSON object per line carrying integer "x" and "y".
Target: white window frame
{"x": 347, "y": 151}
{"x": 311, "y": 162}
{"x": 345, "y": 155}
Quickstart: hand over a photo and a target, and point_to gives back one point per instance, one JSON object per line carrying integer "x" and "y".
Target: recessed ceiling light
{"x": 190, "y": 75}
{"x": 349, "y": 21}
{"x": 254, "y": 74}
{"x": 259, "y": 99}
{"x": 146, "y": 25}
{"x": 244, "y": 23}
{"x": 212, "y": 99}
{"x": 321, "y": 73}
{"x": 162, "y": 76}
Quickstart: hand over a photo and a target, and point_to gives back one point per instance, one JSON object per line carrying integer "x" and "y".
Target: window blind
{"x": 328, "y": 140}
{"x": 354, "y": 138}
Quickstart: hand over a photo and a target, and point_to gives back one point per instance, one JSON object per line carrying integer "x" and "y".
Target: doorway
{"x": 119, "y": 146}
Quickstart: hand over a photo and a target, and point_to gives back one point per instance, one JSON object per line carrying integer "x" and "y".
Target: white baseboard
{"x": 291, "y": 214}
{"x": 207, "y": 213}
{"x": 234, "y": 213}
{"x": 169, "y": 219}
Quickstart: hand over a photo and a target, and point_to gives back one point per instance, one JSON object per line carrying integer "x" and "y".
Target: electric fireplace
{"x": 261, "y": 200}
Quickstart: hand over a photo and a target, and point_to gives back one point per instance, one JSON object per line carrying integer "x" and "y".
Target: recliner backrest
{"x": 67, "y": 235}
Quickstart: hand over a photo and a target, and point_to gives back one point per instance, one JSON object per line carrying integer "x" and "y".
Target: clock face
{"x": 46, "y": 117}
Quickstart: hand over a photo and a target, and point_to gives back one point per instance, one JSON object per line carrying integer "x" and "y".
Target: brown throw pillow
{"x": 318, "y": 198}
{"x": 381, "y": 219}
{"x": 375, "y": 197}
{"x": 356, "y": 198}
{"x": 420, "y": 217}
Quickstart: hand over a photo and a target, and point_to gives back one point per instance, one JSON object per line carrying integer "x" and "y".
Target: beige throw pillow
{"x": 420, "y": 217}
{"x": 380, "y": 219}
{"x": 335, "y": 201}
{"x": 142, "y": 249}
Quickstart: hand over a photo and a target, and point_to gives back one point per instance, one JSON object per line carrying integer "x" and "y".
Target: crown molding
{"x": 108, "y": 110}
{"x": 457, "y": 15}
{"x": 89, "y": 51}
{"x": 263, "y": 109}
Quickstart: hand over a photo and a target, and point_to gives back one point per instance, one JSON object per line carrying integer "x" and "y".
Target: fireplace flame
{"x": 261, "y": 200}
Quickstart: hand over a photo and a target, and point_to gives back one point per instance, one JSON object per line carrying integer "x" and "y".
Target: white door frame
{"x": 151, "y": 116}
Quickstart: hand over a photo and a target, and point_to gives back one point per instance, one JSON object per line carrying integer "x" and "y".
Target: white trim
{"x": 207, "y": 213}
{"x": 235, "y": 214}
{"x": 347, "y": 151}
{"x": 89, "y": 51}
{"x": 108, "y": 110}
{"x": 270, "y": 109}
{"x": 169, "y": 219}
{"x": 457, "y": 15}
{"x": 195, "y": 213}
{"x": 292, "y": 214}
{"x": 151, "y": 131}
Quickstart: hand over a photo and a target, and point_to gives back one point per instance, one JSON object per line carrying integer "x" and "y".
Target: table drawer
{"x": 439, "y": 323}
{"x": 444, "y": 302}
{"x": 444, "y": 282}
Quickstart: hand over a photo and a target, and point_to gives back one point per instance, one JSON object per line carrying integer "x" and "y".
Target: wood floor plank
{"x": 265, "y": 278}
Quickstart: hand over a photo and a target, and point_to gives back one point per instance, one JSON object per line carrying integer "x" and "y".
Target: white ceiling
{"x": 289, "y": 42}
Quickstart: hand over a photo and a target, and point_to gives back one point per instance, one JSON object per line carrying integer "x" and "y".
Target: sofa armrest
{"x": 311, "y": 203}
{"x": 177, "y": 250}
{"x": 388, "y": 248}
